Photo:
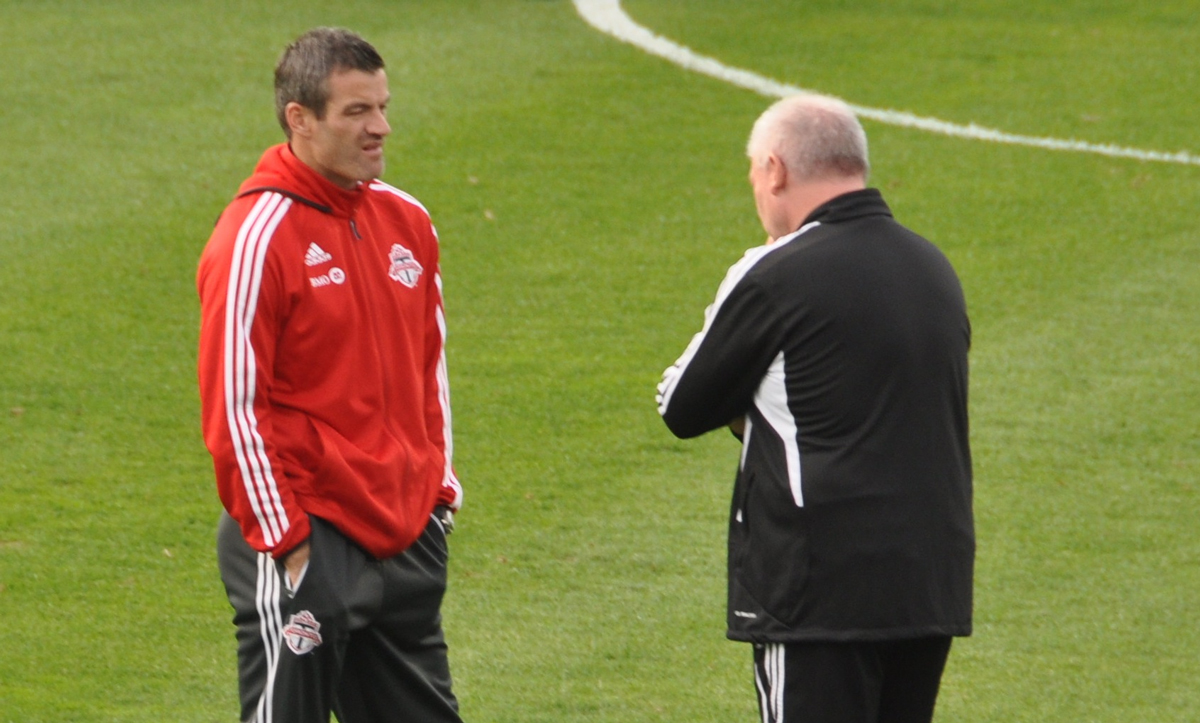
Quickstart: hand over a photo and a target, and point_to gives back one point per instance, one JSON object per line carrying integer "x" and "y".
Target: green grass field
{"x": 589, "y": 198}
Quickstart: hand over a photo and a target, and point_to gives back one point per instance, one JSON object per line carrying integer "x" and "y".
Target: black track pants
{"x": 359, "y": 637}
{"x": 884, "y": 682}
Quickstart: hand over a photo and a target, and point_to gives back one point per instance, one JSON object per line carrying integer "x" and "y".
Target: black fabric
{"x": 863, "y": 326}
{"x": 885, "y": 682}
{"x": 381, "y": 654}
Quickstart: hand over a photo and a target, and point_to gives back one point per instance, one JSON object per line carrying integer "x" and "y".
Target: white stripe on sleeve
{"x": 387, "y": 188}
{"x": 443, "y": 384}
{"x": 670, "y": 380}
{"x": 241, "y": 303}
{"x": 771, "y": 399}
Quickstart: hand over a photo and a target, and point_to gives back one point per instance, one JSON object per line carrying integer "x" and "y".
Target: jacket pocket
{"x": 774, "y": 559}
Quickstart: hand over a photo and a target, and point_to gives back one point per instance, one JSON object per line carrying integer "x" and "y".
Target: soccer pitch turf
{"x": 589, "y": 198}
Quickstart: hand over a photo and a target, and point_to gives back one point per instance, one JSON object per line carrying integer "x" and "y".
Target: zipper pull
{"x": 354, "y": 228}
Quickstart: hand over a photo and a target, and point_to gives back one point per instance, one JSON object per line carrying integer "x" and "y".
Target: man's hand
{"x": 295, "y": 562}
{"x": 738, "y": 427}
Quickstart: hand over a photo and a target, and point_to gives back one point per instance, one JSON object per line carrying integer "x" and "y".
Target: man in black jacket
{"x": 837, "y": 352}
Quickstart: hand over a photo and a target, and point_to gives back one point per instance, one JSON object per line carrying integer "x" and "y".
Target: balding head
{"x": 817, "y": 137}
{"x": 804, "y": 151}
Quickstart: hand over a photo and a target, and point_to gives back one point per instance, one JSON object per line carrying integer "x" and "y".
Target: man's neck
{"x": 811, "y": 195}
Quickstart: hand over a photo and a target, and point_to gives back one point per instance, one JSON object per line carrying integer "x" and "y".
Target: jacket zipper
{"x": 375, "y": 336}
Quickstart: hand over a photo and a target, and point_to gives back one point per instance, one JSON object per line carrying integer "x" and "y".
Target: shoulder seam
{"x": 378, "y": 185}
{"x": 289, "y": 194}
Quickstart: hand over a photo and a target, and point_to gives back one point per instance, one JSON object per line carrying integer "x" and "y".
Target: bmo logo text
{"x": 335, "y": 276}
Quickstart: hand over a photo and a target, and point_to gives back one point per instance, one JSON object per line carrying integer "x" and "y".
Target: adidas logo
{"x": 316, "y": 255}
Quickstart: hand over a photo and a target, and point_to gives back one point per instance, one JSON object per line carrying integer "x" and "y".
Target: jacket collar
{"x": 279, "y": 170}
{"x": 849, "y": 206}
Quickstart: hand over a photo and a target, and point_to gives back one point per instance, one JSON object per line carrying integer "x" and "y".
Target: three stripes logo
{"x": 315, "y": 256}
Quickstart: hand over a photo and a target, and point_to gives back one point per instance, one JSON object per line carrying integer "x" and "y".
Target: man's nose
{"x": 379, "y": 125}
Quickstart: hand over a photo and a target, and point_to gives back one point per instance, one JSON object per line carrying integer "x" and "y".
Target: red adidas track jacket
{"x": 322, "y": 360}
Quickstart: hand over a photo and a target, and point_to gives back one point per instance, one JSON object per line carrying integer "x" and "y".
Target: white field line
{"x": 608, "y": 17}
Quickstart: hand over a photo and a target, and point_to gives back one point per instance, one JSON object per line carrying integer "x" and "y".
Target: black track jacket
{"x": 844, "y": 347}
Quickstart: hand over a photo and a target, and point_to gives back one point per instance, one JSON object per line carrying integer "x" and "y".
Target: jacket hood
{"x": 280, "y": 170}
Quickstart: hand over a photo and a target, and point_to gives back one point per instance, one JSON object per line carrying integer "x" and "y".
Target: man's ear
{"x": 777, "y": 173}
{"x": 299, "y": 119}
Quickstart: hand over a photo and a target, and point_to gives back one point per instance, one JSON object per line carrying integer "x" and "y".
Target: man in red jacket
{"x": 326, "y": 409}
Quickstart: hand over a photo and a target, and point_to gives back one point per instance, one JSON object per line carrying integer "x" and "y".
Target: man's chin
{"x": 371, "y": 171}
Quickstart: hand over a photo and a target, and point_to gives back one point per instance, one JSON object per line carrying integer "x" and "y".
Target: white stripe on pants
{"x": 769, "y": 678}
{"x": 271, "y": 625}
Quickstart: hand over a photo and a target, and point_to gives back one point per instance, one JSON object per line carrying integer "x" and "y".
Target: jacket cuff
{"x": 450, "y": 494}
{"x": 296, "y": 535}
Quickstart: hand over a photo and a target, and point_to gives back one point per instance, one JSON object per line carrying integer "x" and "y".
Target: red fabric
{"x": 322, "y": 363}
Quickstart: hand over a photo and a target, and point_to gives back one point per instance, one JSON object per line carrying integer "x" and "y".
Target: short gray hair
{"x": 302, "y": 74}
{"x": 816, "y": 136}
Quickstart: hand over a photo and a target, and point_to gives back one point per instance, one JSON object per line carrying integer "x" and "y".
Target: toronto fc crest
{"x": 302, "y": 632}
{"x": 405, "y": 268}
